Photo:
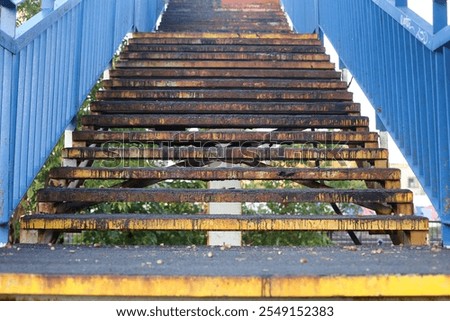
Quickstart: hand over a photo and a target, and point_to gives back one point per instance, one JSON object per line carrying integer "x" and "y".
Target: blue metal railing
{"x": 48, "y": 65}
{"x": 403, "y": 65}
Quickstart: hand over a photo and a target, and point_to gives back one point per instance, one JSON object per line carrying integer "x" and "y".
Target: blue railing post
{"x": 439, "y": 15}
{"x": 7, "y": 27}
{"x": 48, "y": 5}
{"x": 8, "y": 13}
{"x": 401, "y": 3}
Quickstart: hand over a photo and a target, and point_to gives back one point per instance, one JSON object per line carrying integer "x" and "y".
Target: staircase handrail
{"x": 48, "y": 66}
{"x": 402, "y": 63}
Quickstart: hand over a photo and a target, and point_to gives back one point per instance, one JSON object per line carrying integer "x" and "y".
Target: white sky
{"x": 424, "y": 8}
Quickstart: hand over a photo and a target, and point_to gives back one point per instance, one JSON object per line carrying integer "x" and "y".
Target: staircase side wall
{"x": 48, "y": 67}
{"x": 403, "y": 65}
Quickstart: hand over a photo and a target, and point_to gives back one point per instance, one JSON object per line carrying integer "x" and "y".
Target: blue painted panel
{"x": 46, "y": 72}
{"x": 6, "y": 99}
{"x": 404, "y": 69}
{"x": 303, "y": 14}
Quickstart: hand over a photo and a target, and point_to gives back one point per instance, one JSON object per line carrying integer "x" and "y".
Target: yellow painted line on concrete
{"x": 224, "y": 35}
{"x": 375, "y": 286}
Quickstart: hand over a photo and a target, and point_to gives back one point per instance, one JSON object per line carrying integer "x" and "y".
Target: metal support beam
{"x": 401, "y": 3}
{"x": 48, "y": 5}
{"x": 7, "y": 92}
{"x": 439, "y": 15}
{"x": 446, "y": 234}
{"x": 220, "y": 238}
{"x": 8, "y": 18}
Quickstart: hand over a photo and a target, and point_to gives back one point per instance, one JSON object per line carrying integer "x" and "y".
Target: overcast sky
{"x": 424, "y": 8}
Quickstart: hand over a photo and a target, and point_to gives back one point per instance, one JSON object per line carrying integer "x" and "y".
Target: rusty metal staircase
{"x": 225, "y": 81}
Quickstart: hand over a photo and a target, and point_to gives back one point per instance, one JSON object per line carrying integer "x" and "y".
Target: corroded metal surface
{"x": 223, "y": 83}
{"x": 240, "y": 137}
{"x": 148, "y": 222}
{"x": 226, "y": 73}
{"x": 234, "y": 108}
{"x": 212, "y": 195}
{"x": 224, "y": 56}
{"x": 219, "y": 94}
{"x": 257, "y": 64}
{"x": 226, "y": 154}
{"x": 234, "y": 38}
{"x": 368, "y": 174}
{"x": 224, "y": 48}
{"x": 225, "y": 121}
{"x": 227, "y": 41}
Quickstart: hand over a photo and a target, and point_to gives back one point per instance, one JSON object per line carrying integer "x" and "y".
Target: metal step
{"x": 256, "y": 39}
{"x": 225, "y": 121}
{"x": 92, "y": 195}
{"x": 230, "y": 154}
{"x": 223, "y": 56}
{"x": 158, "y": 222}
{"x": 215, "y": 72}
{"x": 191, "y": 48}
{"x": 224, "y": 94}
{"x": 234, "y": 64}
{"x": 285, "y": 84}
{"x": 213, "y": 107}
{"x": 220, "y": 36}
{"x": 239, "y": 137}
{"x": 210, "y": 174}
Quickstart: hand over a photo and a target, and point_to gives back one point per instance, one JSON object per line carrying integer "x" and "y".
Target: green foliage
{"x": 26, "y": 10}
{"x": 54, "y": 160}
{"x": 293, "y": 238}
{"x": 144, "y": 237}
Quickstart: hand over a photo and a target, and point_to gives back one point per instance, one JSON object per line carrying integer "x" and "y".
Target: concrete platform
{"x": 62, "y": 272}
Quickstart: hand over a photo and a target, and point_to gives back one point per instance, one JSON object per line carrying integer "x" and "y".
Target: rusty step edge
{"x": 225, "y": 121}
{"x": 91, "y": 195}
{"x": 223, "y": 56}
{"x": 174, "y": 48}
{"x": 225, "y": 15}
{"x": 222, "y": 84}
{"x": 226, "y": 23}
{"x": 247, "y": 19}
{"x": 261, "y": 29}
{"x": 226, "y": 154}
{"x": 218, "y": 15}
{"x": 228, "y": 136}
{"x": 201, "y": 107}
{"x": 195, "y": 27}
{"x": 208, "y": 174}
{"x": 209, "y": 35}
{"x": 234, "y": 64}
{"x": 271, "y": 137}
{"x": 233, "y": 95}
{"x": 148, "y": 222}
{"x": 225, "y": 73}
{"x": 227, "y": 42}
